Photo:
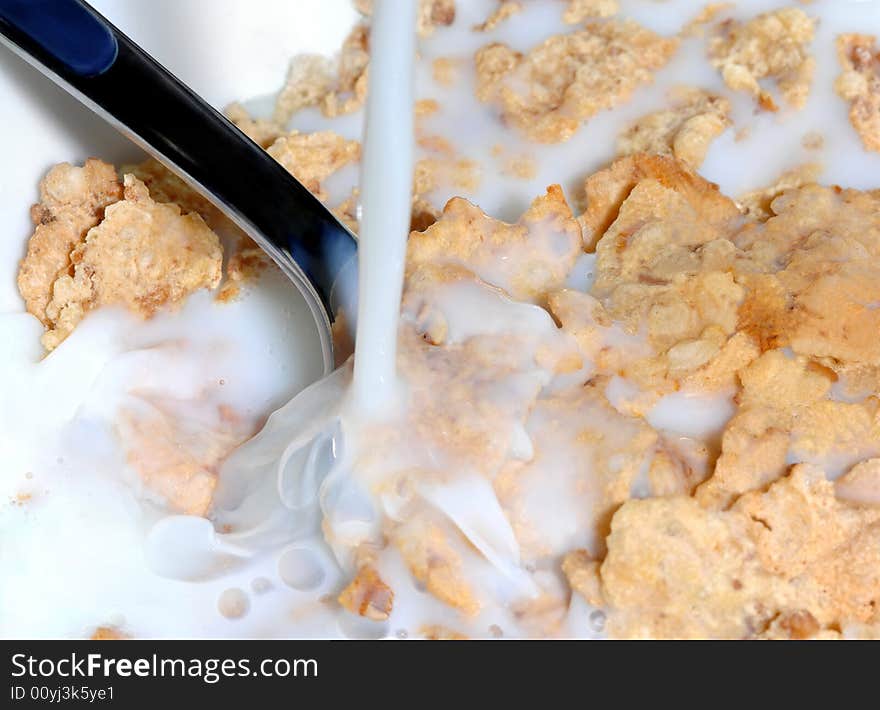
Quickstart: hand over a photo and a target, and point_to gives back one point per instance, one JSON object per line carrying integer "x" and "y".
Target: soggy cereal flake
{"x": 505, "y": 10}
{"x": 313, "y": 157}
{"x": 587, "y": 458}
{"x": 773, "y": 45}
{"x": 426, "y": 548}
{"x": 685, "y": 130}
{"x": 548, "y": 92}
{"x": 526, "y": 259}
{"x": 432, "y": 173}
{"x": 176, "y": 452}
{"x": 580, "y": 10}
{"x": 367, "y": 595}
{"x": 72, "y": 201}
{"x": 859, "y": 84}
{"x": 144, "y": 255}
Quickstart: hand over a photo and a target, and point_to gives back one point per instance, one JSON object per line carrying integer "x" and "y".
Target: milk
{"x": 386, "y": 190}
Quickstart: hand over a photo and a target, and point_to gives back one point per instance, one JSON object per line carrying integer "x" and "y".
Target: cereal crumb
{"x": 435, "y": 632}
{"x": 367, "y": 595}
{"x": 685, "y": 130}
{"x": 813, "y": 141}
{"x": 548, "y": 92}
{"x": 108, "y": 633}
{"x": 431, "y": 14}
{"x": 859, "y": 84}
{"x": 444, "y": 70}
{"x": 505, "y": 10}
{"x": 432, "y": 173}
{"x": 773, "y": 45}
{"x": 524, "y": 167}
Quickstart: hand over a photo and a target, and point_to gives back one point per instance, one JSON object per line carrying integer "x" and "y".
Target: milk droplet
{"x": 232, "y": 603}
{"x": 597, "y": 621}
{"x": 300, "y": 568}
{"x": 261, "y": 585}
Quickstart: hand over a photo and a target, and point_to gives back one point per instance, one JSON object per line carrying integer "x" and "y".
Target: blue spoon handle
{"x": 80, "y": 50}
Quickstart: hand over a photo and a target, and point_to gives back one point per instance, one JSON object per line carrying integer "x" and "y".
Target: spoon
{"x": 81, "y": 51}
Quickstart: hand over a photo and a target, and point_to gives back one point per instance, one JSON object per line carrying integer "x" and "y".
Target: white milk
{"x": 386, "y": 191}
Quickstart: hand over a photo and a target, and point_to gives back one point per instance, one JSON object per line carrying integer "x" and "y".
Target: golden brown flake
{"x": 165, "y": 186}
{"x": 685, "y": 130}
{"x": 72, "y": 201}
{"x": 310, "y": 78}
{"x": 433, "y": 561}
{"x": 175, "y": 455}
{"x": 812, "y": 275}
{"x": 338, "y": 87}
{"x": 548, "y": 92}
{"x": 527, "y": 259}
{"x": 367, "y": 595}
{"x": 791, "y": 561}
{"x": 773, "y": 45}
{"x": 606, "y": 190}
{"x": 144, "y": 255}
{"x": 860, "y": 85}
